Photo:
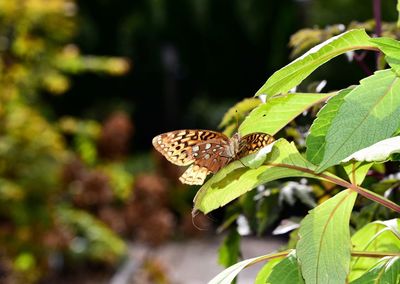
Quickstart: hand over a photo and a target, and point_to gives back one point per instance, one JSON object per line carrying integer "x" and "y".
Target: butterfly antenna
{"x": 237, "y": 120}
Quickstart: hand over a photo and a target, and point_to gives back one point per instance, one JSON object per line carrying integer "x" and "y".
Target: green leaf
{"x": 266, "y": 270}
{"x": 286, "y": 271}
{"x": 377, "y": 152}
{"x": 273, "y": 115}
{"x": 316, "y": 139}
{"x": 387, "y": 271}
{"x": 324, "y": 245}
{"x": 227, "y": 276}
{"x": 235, "y": 179}
{"x": 229, "y": 251}
{"x": 356, "y": 171}
{"x": 376, "y": 237}
{"x": 388, "y": 46}
{"x": 239, "y": 109}
{"x": 368, "y": 114}
{"x": 391, "y": 48}
{"x": 292, "y": 74}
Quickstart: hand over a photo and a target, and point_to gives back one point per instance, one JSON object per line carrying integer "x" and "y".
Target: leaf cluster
{"x": 354, "y": 132}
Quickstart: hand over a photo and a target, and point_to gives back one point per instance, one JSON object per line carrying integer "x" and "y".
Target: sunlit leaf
{"x": 235, "y": 179}
{"x": 286, "y": 272}
{"x": 368, "y": 114}
{"x": 387, "y": 271}
{"x": 239, "y": 110}
{"x": 277, "y": 112}
{"x": 356, "y": 171}
{"x": 324, "y": 245}
{"x": 292, "y": 74}
{"x": 266, "y": 270}
{"x": 377, "y": 152}
{"x": 377, "y": 237}
{"x": 316, "y": 140}
{"x": 391, "y": 48}
{"x": 227, "y": 276}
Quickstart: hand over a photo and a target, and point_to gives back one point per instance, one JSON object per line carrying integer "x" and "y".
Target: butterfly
{"x": 206, "y": 151}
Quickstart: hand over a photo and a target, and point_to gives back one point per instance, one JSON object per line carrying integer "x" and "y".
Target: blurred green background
{"x": 85, "y": 85}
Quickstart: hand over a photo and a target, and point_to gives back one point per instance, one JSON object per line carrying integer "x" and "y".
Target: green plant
{"x": 38, "y": 220}
{"x": 356, "y": 131}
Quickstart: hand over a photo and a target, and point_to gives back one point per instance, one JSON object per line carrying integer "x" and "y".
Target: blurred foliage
{"x": 67, "y": 193}
{"x": 39, "y": 222}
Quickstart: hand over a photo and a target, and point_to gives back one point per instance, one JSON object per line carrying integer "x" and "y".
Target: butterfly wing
{"x": 212, "y": 155}
{"x": 194, "y": 175}
{"x": 253, "y": 142}
{"x": 176, "y": 146}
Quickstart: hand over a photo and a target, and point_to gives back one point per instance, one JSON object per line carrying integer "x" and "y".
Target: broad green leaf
{"x": 273, "y": 115}
{"x": 391, "y": 48}
{"x": 377, "y": 152}
{"x": 387, "y": 271}
{"x": 388, "y": 46}
{"x": 292, "y": 74}
{"x": 324, "y": 245}
{"x": 236, "y": 179}
{"x": 376, "y": 237}
{"x": 229, "y": 251}
{"x": 316, "y": 140}
{"x": 239, "y": 109}
{"x": 356, "y": 171}
{"x": 266, "y": 270}
{"x": 227, "y": 276}
{"x": 286, "y": 272}
{"x": 368, "y": 114}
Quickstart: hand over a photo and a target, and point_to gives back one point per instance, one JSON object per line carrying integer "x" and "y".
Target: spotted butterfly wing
{"x": 198, "y": 147}
{"x": 253, "y": 142}
{"x": 206, "y": 151}
{"x": 176, "y": 145}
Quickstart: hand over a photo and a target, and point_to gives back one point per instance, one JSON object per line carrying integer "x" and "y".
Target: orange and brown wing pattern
{"x": 253, "y": 142}
{"x": 176, "y": 146}
{"x": 212, "y": 154}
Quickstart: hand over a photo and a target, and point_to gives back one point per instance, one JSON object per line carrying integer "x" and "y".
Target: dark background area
{"x": 192, "y": 60}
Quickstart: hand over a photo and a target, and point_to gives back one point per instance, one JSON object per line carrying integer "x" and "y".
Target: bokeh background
{"x": 85, "y": 85}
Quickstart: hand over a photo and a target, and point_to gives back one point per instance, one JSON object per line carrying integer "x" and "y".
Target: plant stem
{"x": 378, "y": 25}
{"x": 355, "y": 253}
{"x": 336, "y": 180}
{"x": 271, "y": 256}
{"x": 377, "y": 17}
{"x": 373, "y": 254}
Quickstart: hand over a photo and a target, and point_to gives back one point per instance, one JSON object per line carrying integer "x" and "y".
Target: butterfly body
{"x": 206, "y": 151}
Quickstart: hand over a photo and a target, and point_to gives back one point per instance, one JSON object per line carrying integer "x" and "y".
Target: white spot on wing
{"x": 195, "y": 148}
{"x": 208, "y": 146}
